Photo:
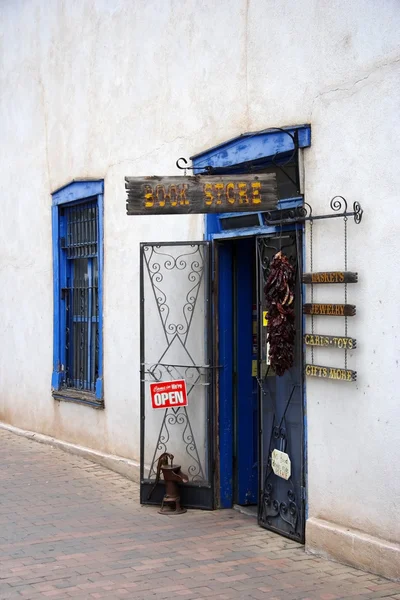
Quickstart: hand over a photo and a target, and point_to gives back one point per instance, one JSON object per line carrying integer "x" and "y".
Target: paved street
{"x": 72, "y": 529}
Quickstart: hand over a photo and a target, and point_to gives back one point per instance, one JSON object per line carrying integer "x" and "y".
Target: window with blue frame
{"x": 78, "y": 266}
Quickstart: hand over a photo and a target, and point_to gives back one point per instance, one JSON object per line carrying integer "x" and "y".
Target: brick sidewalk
{"x": 72, "y": 529}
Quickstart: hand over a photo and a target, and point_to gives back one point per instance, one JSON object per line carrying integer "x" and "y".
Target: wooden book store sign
{"x": 200, "y": 194}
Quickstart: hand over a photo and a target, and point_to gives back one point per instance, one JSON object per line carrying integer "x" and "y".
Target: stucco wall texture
{"x": 108, "y": 88}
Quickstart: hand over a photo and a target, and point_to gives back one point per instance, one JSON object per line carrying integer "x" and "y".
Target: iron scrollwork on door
{"x": 176, "y": 276}
{"x": 271, "y": 507}
{"x": 279, "y": 501}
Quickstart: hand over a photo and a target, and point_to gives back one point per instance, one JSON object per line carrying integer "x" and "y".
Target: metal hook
{"x": 207, "y": 168}
{"x": 338, "y": 203}
{"x": 184, "y": 168}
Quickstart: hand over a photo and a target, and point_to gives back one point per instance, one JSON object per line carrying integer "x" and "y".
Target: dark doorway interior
{"x": 245, "y": 398}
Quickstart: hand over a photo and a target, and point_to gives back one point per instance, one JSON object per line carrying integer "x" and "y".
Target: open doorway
{"x": 260, "y": 412}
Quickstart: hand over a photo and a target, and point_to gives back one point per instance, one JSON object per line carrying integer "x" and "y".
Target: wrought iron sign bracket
{"x": 304, "y": 213}
{"x": 207, "y": 169}
{"x": 338, "y": 205}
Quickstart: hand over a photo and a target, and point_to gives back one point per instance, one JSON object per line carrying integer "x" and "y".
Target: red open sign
{"x": 168, "y": 394}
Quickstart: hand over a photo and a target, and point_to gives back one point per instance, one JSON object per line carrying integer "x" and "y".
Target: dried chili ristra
{"x": 279, "y": 295}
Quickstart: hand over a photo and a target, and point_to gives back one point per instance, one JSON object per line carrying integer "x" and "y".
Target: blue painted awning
{"x": 265, "y": 144}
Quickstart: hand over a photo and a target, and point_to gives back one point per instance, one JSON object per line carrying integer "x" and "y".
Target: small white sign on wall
{"x": 281, "y": 464}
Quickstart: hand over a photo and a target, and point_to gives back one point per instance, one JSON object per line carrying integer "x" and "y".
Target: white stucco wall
{"x": 108, "y": 88}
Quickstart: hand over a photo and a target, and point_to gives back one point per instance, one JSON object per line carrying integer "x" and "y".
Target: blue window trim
{"x": 76, "y": 191}
{"x": 267, "y": 145}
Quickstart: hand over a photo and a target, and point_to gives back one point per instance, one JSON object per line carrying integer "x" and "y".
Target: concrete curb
{"x": 124, "y": 466}
{"x": 354, "y": 548}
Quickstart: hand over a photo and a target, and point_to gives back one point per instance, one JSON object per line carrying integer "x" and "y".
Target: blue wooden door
{"x": 281, "y": 501}
{"x": 245, "y": 381}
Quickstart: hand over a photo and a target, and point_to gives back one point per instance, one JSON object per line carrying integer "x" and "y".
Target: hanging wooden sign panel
{"x": 330, "y": 277}
{"x": 330, "y": 373}
{"x": 345, "y": 343}
{"x": 200, "y": 194}
{"x": 330, "y": 310}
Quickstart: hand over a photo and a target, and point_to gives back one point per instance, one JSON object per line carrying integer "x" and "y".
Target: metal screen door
{"x": 281, "y": 505}
{"x": 176, "y": 344}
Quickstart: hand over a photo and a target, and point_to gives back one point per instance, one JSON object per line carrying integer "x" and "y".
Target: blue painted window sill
{"x": 78, "y": 397}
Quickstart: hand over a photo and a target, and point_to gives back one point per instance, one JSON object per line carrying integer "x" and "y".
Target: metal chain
{"x": 345, "y": 287}
{"x": 312, "y": 287}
